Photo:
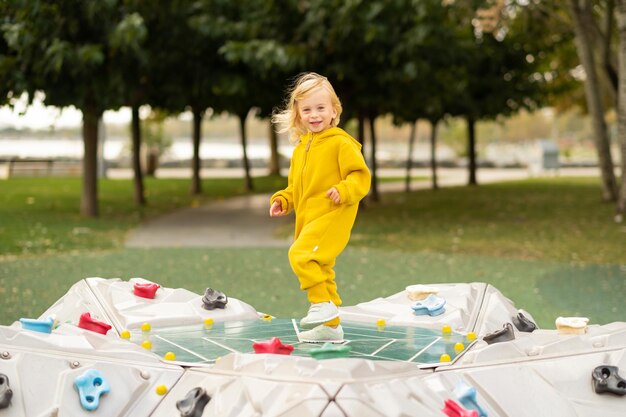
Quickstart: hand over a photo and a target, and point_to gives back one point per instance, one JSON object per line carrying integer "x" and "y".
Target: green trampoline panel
{"x": 199, "y": 344}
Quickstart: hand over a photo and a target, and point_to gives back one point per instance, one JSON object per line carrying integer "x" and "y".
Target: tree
{"x": 64, "y": 50}
{"x": 128, "y": 50}
{"x": 185, "y": 38}
{"x": 584, "y": 26}
{"x": 261, "y": 56}
{"x": 621, "y": 128}
{"x": 501, "y": 76}
{"x": 426, "y": 88}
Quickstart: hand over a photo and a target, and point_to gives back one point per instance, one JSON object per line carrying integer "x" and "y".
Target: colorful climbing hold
{"x": 503, "y": 335}
{"x": 6, "y": 393}
{"x": 330, "y": 351}
{"x": 194, "y": 403}
{"x": 606, "y": 378}
{"x": 445, "y": 358}
{"x": 213, "y": 299}
{"x": 433, "y": 305}
{"x": 42, "y": 326}
{"x": 91, "y": 385}
{"x": 161, "y": 390}
{"x": 88, "y": 323}
{"x": 466, "y": 395}
{"x": 273, "y": 345}
{"x": 145, "y": 327}
{"x": 452, "y": 409}
{"x": 125, "y": 334}
{"x": 146, "y": 344}
{"x": 169, "y": 356}
{"x": 145, "y": 290}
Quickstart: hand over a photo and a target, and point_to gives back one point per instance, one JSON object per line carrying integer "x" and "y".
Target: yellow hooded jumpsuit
{"x": 320, "y": 161}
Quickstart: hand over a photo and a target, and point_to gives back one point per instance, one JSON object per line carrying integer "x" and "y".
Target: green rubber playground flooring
{"x": 263, "y": 278}
{"x": 200, "y": 345}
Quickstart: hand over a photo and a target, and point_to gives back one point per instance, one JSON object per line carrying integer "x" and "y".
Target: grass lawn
{"x": 548, "y": 244}
{"x": 40, "y": 216}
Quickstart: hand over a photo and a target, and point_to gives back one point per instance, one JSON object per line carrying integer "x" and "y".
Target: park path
{"x": 244, "y": 221}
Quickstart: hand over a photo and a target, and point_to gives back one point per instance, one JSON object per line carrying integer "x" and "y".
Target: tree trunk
{"x": 433, "y": 154}
{"x": 274, "y": 163}
{"x": 375, "y": 195}
{"x": 196, "y": 184}
{"x": 89, "y": 200}
{"x": 361, "y": 131}
{"x": 582, "y": 18}
{"x": 607, "y": 55}
{"x": 621, "y": 116}
{"x": 244, "y": 146}
{"x": 471, "y": 150}
{"x": 140, "y": 198}
{"x": 409, "y": 159}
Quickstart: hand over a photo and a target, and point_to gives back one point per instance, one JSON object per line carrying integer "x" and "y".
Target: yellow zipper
{"x": 306, "y": 154}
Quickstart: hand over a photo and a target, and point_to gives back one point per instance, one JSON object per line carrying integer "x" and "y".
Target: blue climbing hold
{"x": 91, "y": 385}
{"x": 433, "y": 305}
{"x": 43, "y": 326}
{"x": 467, "y": 397}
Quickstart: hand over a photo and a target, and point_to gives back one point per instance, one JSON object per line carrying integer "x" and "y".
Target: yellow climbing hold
{"x": 459, "y": 347}
{"x": 146, "y": 344}
{"x": 267, "y": 317}
{"x": 381, "y": 323}
{"x": 446, "y": 330}
{"x": 161, "y": 390}
{"x": 170, "y": 356}
{"x": 125, "y": 334}
{"x": 445, "y": 358}
{"x": 145, "y": 327}
{"x": 471, "y": 336}
{"x": 208, "y": 322}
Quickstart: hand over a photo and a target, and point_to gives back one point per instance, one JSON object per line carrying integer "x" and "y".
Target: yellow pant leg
{"x": 331, "y": 285}
{"x": 313, "y": 253}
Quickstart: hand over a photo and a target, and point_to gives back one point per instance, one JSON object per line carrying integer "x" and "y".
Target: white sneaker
{"x": 319, "y": 313}
{"x": 322, "y": 334}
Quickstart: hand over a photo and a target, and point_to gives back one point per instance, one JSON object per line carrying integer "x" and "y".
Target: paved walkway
{"x": 245, "y": 222}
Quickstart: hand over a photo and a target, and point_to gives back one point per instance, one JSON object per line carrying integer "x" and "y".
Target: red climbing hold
{"x": 274, "y": 345}
{"x": 87, "y": 323}
{"x": 453, "y": 409}
{"x": 145, "y": 290}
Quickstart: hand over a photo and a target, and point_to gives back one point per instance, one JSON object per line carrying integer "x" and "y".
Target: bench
{"x": 17, "y": 167}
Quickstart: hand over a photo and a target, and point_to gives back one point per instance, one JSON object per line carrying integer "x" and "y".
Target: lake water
{"x": 118, "y": 149}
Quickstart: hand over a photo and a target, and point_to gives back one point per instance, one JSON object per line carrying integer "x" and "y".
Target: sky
{"x": 37, "y": 116}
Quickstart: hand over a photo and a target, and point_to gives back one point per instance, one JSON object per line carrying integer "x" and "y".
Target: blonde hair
{"x": 288, "y": 120}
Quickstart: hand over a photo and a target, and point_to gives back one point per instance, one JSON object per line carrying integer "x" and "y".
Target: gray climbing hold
{"x": 6, "y": 393}
{"x": 606, "y": 379}
{"x": 523, "y": 323}
{"x": 214, "y": 299}
{"x": 503, "y": 335}
{"x": 193, "y": 404}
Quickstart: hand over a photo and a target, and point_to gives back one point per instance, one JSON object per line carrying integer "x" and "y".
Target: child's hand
{"x": 277, "y": 209}
{"x": 334, "y": 195}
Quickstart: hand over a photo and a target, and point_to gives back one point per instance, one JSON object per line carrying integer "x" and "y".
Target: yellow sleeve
{"x": 285, "y": 196}
{"x": 356, "y": 174}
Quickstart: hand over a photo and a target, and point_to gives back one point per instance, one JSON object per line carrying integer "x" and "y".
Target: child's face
{"x": 316, "y": 110}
